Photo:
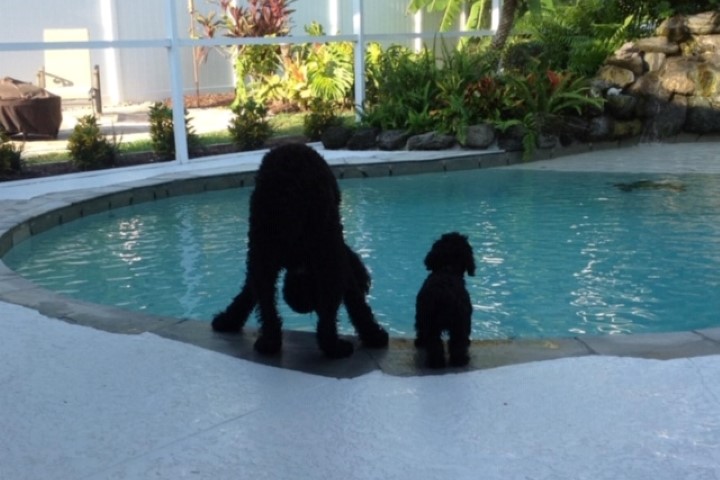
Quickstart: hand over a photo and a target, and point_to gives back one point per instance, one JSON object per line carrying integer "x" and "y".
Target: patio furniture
{"x": 28, "y": 109}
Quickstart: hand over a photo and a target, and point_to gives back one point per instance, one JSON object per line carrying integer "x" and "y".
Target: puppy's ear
{"x": 432, "y": 259}
{"x": 470, "y": 267}
{"x": 469, "y": 259}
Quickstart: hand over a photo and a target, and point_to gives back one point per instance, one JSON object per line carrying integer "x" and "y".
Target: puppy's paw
{"x": 223, "y": 322}
{"x": 435, "y": 355}
{"x": 376, "y": 338}
{"x": 337, "y": 349}
{"x": 459, "y": 359}
{"x": 268, "y": 344}
{"x": 435, "y": 361}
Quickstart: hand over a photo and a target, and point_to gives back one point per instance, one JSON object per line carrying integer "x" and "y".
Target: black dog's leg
{"x": 264, "y": 275}
{"x": 327, "y": 336}
{"x": 233, "y": 319}
{"x": 371, "y": 334}
{"x": 329, "y": 287}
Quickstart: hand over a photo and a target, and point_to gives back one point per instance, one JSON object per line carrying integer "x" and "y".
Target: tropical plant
{"x": 162, "y": 132}
{"x": 307, "y": 71}
{"x": 249, "y": 127}
{"x": 575, "y": 37}
{"x": 10, "y": 155}
{"x": 542, "y": 101}
{"x": 460, "y": 69}
{"x": 329, "y": 67}
{"x": 260, "y": 18}
{"x": 402, "y": 89}
{"x": 89, "y": 148}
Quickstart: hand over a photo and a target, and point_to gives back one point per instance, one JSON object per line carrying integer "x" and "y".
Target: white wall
{"x": 28, "y": 20}
{"x": 142, "y": 74}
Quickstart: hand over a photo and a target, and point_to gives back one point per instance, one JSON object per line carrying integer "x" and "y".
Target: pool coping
{"x": 28, "y": 217}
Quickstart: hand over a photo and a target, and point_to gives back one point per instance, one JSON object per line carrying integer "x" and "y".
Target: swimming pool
{"x": 558, "y": 253}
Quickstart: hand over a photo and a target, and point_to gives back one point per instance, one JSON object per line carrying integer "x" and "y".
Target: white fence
{"x": 144, "y": 48}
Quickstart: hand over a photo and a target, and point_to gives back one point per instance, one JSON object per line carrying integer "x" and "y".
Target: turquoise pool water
{"x": 558, "y": 254}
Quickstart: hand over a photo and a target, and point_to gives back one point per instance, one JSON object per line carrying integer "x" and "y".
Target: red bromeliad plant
{"x": 260, "y": 18}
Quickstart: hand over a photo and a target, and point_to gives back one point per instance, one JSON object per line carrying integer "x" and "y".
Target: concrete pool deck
{"x": 83, "y": 402}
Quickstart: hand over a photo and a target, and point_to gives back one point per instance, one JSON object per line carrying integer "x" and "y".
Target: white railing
{"x": 173, "y": 43}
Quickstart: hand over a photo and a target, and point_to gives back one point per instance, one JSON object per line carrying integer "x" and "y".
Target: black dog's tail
{"x": 359, "y": 271}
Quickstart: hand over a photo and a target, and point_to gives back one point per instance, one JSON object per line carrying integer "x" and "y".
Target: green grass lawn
{"x": 283, "y": 124}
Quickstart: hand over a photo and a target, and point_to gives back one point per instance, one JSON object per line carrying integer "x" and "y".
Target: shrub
{"x": 307, "y": 71}
{"x": 402, "y": 89}
{"x": 249, "y": 128}
{"x": 541, "y": 102}
{"x": 162, "y": 132}
{"x": 89, "y": 148}
{"x": 10, "y": 155}
{"x": 321, "y": 116}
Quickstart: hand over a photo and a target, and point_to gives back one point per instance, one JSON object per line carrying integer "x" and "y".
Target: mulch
{"x": 207, "y": 100}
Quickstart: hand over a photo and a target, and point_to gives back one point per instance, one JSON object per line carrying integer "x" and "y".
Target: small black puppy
{"x": 443, "y": 303}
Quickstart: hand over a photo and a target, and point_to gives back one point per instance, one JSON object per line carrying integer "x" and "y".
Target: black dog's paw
{"x": 267, "y": 344}
{"x": 459, "y": 359}
{"x": 337, "y": 349}
{"x": 226, "y": 323}
{"x": 376, "y": 338}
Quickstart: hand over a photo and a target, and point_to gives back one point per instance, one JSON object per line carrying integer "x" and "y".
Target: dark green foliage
{"x": 162, "y": 132}
{"x": 522, "y": 55}
{"x": 575, "y": 37}
{"x": 401, "y": 88}
{"x": 89, "y": 148}
{"x": 10, "y": 155}
{"x": 425, "y": 91}
{"x": 249, "y": 128}
{"x": 655, "y": 9}
{"x": 321, "y": 116}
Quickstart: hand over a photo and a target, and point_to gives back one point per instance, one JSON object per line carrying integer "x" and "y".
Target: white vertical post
{"x": 111, "y": 73}
{"x": 334, "y": 17}
{"x": 176, "y": 84}
{"x": 417, "y": 28}
{"x": 359, "y": 31}
{"x": 495, "y": 15}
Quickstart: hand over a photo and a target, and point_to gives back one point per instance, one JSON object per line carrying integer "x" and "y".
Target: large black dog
{"x": 295, "y": 225}
{"x": 443, "y": 303}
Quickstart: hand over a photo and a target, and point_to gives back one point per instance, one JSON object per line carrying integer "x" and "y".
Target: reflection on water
{"x": 557, "y": 253}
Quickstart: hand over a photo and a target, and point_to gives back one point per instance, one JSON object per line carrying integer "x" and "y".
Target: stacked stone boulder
{"x": 663, "y": 85}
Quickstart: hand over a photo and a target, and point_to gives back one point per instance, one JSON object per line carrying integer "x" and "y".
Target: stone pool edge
{"x": 25, "y": 218}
